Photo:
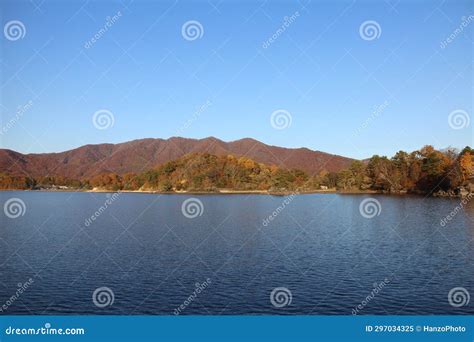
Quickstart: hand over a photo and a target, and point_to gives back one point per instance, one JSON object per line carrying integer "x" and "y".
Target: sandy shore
{"x": 217, "y": 192}
{"x": 222, "y": 192}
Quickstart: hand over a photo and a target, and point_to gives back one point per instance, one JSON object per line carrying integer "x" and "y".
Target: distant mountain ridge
{"x": 144, "y": 154}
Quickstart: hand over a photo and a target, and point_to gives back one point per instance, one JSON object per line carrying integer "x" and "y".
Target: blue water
{"x": 319, "y": 247}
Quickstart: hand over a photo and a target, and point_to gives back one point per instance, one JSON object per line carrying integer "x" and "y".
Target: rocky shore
{"x": 462, "y": 192}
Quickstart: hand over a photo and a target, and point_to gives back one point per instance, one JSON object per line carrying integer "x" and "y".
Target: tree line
{"x": 423, "y": 171}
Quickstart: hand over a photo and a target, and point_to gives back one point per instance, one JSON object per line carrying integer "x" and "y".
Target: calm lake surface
{"x": 326, "y": 255}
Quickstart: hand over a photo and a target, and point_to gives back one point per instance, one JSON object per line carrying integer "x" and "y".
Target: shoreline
{"x": 234, "y": 192}
{"x": 191, "y": 192}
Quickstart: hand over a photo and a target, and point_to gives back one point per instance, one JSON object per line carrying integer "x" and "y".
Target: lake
{"x": 324, "y": 254}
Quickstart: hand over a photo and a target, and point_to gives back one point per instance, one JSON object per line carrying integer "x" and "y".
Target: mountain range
{"x": 144, "y": 154}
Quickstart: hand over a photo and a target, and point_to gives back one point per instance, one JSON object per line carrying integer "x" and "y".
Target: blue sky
{"x": 319, "y": 69}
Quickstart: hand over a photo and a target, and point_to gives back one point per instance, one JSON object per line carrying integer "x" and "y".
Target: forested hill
{"x": 427, "y": 171}
{"x": 144, "y": 154}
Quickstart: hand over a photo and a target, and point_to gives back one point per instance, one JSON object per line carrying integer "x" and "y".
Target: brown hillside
{"x": 140, "y": 155}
